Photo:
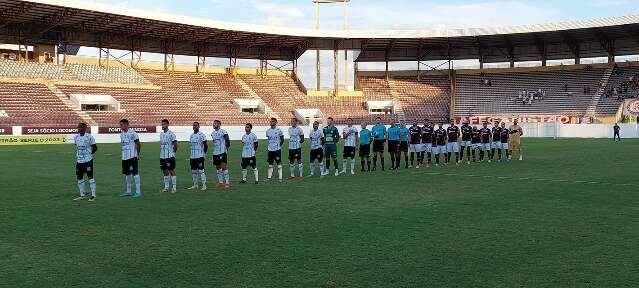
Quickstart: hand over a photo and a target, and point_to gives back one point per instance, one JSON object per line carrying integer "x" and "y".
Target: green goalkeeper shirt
{"x": 331, "y": 135}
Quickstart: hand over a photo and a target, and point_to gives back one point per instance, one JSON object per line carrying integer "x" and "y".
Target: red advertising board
{"x": 115, "y": 130}
{"x": 40, "y": 130}
{"x": 474, "y": 120}
{"x": 8, "y": 130}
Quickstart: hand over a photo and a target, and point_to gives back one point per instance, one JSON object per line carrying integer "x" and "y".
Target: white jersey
{"x": 166, "y": 144}
{"x": 349, "y": 141}
{"x": 197, "y": 145}
{"x": 295, "y": 136}
{"x": 219, "y": 142}
{"x": 83, "y": 146}
{"x": 127, "y": 139}
{"x": 248, "y": 145}
{"x": 274, "y": 135}
{"x": 316, "y": 138}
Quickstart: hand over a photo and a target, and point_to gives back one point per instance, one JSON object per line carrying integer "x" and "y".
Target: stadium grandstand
{"x": 50, "y": 86}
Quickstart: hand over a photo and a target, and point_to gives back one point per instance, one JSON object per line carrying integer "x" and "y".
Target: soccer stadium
{"x": 145, "y": 147}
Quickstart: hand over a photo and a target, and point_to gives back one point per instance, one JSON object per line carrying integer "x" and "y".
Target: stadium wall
{"x": 531, "y": 130}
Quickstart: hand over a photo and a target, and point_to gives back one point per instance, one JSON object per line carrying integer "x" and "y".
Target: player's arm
{"x": 302, "y": 138}
{"x": 175, "y": 146}
{"x": 206, "y": 146}
{"x": 227, "y": 141}
{"x": 255, "y": 144}
{"x": 282, "y": 140}
{"x": 138, "y": 146}
{"x": 356, "y": 139}
{"x": 521, "y": 132}
{"x": 323, "y": 139}
{"x": 94, "y": 146}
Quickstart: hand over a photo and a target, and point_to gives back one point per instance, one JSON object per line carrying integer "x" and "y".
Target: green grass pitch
{"x": 567, "y": 216}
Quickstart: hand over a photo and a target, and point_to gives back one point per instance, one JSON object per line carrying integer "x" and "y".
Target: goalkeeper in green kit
{"x": 331, "y": 137}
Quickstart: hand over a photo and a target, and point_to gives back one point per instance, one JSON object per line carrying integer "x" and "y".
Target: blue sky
{"x": 379, "y": 14}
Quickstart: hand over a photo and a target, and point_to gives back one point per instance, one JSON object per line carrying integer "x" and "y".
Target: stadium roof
{"x": 115, "y": 27}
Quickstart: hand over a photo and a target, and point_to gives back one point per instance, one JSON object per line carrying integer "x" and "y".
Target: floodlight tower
{"x": 317, "y": 26}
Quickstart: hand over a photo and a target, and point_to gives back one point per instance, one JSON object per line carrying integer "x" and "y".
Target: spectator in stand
{"x": 616, "y": 136}
{"x": 565, "y": 86}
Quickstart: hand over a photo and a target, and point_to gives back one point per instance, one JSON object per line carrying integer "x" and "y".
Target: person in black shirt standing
{"x": 415, "y": 139}
{"x": 484, "y": 134}
{"x": 439, "y": 145}
{"x": 428, "y": 140}
{"x": 452, "y": 146}
{"x": 496, "y": 144}
{"x": 616, "y": 136}
{"x": 466, "y": 132}
{"x": 475, "y": 140}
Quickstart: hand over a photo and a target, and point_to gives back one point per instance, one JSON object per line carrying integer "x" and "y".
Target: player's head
{"x": 316, "y": 125}
{"x": 349, "y": 121}
{"x": 441, "y": 125}
{"x": 452, "y": 122}
{"x": 124, "y": 124}
{"x": 465, "y": 123}
{"x": 496, "y": 123}
{"x": 165, "y": 124}
{"x": 196, "y": 127}
{"x": 273, "y": 122}
{"x": 516, "y": 121}
{"x": 248, "y": 127}
{"x": 82, "y": 127}
{"x": 378, "y": 120}
{"x": 330, "y": 121}
{"x": 217, "y": 124}
{"x": 485, "y": 124}
{"x": 503, "y": 124}
{"x": 363, "y": 125}
{"x": 475, "y": 128}
{"x": 415, "y": 122}
{"x": 294, "y": 122}
{"x": 426, "y": 121}
{"x": 402, "y": 124}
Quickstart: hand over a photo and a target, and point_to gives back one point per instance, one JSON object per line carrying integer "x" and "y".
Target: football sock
{"x": 279, "y": 171}
{"x": 244, "y": 172}
{"x": 312, "y": 167}
{"x": 343, "y": 164}
{"x": 363, "y": 162}
{"x": 269, "y": 173}
{"x": 174, "y": 181}
{"x": 166, "y": 182}
{"x": 92, "y": 186}
{"x": 81, "y": 187}
{"x": 129, "y": 182}
{"x": 300, "y": 167}
{"x": 138, "y": 186}
{"x": 256, "y": 174}
{"x": 202, "y": 177}
{"x": 292, "y": 168}
{"x": 226, "y": 176}
{"x": 322, "y": 168}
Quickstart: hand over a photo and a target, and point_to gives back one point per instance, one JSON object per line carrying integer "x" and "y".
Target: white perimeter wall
{"x": 530, "y": 130}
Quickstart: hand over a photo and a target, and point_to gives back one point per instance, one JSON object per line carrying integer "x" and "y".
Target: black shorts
{"x": 250, "y": 161}
{"x": 274, "y": 156}
{"x": 295, "y": 154}
{"x": 84, "y": 168}
{"x": 403, "y": 146}
{"x": 130, "y": 166}
{"x": 317, "y": 154}
{"x": 167, "y": 164}
{"x": 378, "y": 146}
{"x": 219, "y": 159}
{"x": 393, "y": 146}
{"x": 197, "y": 164}
{"x": 364, "y": 150}
{"x": 349, "y": 152}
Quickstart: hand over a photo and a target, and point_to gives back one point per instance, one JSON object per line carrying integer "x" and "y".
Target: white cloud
{"x": 277, "y": 14}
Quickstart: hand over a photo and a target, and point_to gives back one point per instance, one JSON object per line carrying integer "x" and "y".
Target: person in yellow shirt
{"x": 515, "y": 140}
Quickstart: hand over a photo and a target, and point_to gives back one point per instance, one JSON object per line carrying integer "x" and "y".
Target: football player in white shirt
{"x": 130, "y": 156}
{"x": 221, "y": 144}
{"x": 168, "y": 148}
{"x": 317, "y": 151}
{"x": 275, "y": 141}
{"x": 199, "y": 147}
{"x": 249, "y": 146}
{"x": 351, "y": 140}
{"x": 85, "y": 148}
{"x": 296, "y": 138}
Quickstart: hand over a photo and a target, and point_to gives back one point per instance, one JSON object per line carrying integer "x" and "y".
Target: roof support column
{"x": 104, "y": 57}
{"x": 169, "y": 62}
{"x": 356, "y": 79}
{"x": 419, "y": 61}
{"x": 201, "y": 65}
{"x": 611, "y": 51}
{"x": 335, "y": 69}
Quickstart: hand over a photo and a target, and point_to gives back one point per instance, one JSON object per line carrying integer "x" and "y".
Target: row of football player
{"x": 423, "y": 141}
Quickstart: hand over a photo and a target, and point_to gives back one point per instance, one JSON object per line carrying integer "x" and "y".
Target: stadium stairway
{"x": 69, "y": 73}
{"x": 74, "y": 107}
{"x": 254, "y": 95}
{"x": 592, "y": 107}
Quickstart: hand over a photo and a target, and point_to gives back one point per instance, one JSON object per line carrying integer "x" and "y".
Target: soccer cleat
{"x": 352, "y": 172}
{"x": 91, "y": 199}
{"x": 279, "y": 180}
{"x": 257, "y": 182}
{"x": 468, "y": 162}
{"x": 417, "y": 167}
{"x": 226, "y": 186}
{"x": 521, "y": 158}
{"x": 290, "y": 177}
{"x": 193, "y": 188}
{"x": 342, "y": 172}
{"x": 203, "y": 188}
{"x": 164, "y": 190}
{"x": 301, "y": 178}
{"x": 410, "y": 166}
{"x": 243, "y": 181}
{"x": 78, "y": 198}
{"x": 488, "y": 160}
{"x": 174, "y": 190}
{"x": 125, "y": 194}
{"x": 310, "y": 175}
{"x": 336, "y": 173}
{"x": 137, "y": 195}
{"x": 269, "y": 180}
{"x": 219, "y": 185}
